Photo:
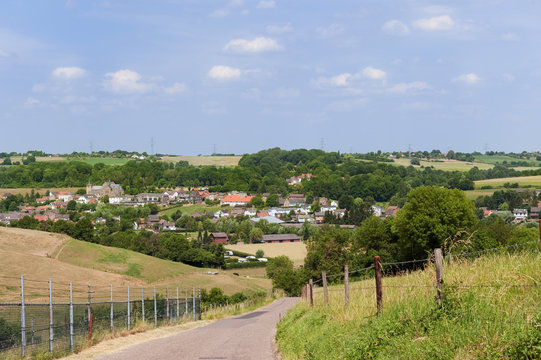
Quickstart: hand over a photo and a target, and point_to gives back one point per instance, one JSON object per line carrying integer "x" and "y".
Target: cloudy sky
{"x": 244, "y": 75}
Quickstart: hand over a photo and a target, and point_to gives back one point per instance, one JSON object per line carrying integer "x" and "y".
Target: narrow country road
{"x": 248, "y": 336}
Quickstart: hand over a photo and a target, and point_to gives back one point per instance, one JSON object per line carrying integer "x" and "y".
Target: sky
{"x": 238, "y": 76}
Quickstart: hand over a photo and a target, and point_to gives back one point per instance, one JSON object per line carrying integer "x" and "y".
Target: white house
{"x": 520, "y": 214}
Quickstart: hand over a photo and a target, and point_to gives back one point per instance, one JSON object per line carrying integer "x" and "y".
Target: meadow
{"x": 523, "y": 182}
{"x": 447, "y": 165}
{"x": 295, "y": 251}
{"x": 205, "y": 160}
{"x": 491, "y": 310}
{"x": 499, "y": 159}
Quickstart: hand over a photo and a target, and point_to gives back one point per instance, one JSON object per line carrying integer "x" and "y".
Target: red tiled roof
{"x": 237, "y": 198}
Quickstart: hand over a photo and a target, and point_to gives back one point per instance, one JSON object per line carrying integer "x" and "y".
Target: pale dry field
{"x": 205, "y": 160}
{"x": 448, "y": 165}
{"x": 295, "y": 251}
{"x": 534, "y": 181}
{"x": 16, "y": 191}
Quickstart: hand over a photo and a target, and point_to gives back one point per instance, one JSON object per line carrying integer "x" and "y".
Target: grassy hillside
{"x": 447, "y": 165}
{"x": 491, "y": 310}
{"x": 41, "y": 256}
{"x": 524, "y": 181}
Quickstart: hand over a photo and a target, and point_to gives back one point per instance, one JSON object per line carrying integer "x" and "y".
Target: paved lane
{"x": 248, "y": 336}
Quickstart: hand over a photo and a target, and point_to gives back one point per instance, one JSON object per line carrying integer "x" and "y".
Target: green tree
{"x": 83, "y": 230}
{"x": 7, "y": 161}
{"x": 429, "y": 217}
{"x": 259, "y": 253}
{"x": 256, "y": 235}
{"x": 72, "y": 205}
{"x": 328, "y": 250}
{"x": 272, "y": 201}
{"x": 257, "y": 202}
{"x": 284, "y": 276}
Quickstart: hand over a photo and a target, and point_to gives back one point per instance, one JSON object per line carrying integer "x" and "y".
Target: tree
{"x": 284, "y": 276}
{"x": 430, "y": 216}
{"x": 272, "y": 201}
{"x": 72, "y": 205}
{"x": 328, "y": 250}
{"x": 257, "y": 202}
{"x": 259, "y": 253}
{"x": 83, "y": 230}
{"x": 415, "y": 161}
{"x": 256, "y": 235}
{"x": 345, "y": 201}
{"x": 7, "y": 161}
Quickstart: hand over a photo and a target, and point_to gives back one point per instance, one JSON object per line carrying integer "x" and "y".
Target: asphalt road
{"x": 248, "y": 336}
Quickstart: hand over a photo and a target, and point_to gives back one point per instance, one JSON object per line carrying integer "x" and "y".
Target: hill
{"x": 41, "y": 256}
{"x": 491, "y": 309}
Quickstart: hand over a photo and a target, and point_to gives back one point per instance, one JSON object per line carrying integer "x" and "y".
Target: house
{"x": 108, "y": 188}
{"x": 281, "y": 238}
{"x": 41, "y": 218}
{"x": 219, "y": 237}
{"x": 297, "y": 179}
{"x": 236, "y": 212}
{"x": 534, "y": 212}
{"x": 520, "y": 214}
{"x": 377, "y": 210}
{"x": 318, "y": 217}
{"x": 64, "y": 196}
{"x": 236, "y": 200}
{"x": 122, "y": 199}
{"x": 168, "y": 226}
{"x": 269, "y": 219}
{"x": 297, "y": 200}
{"x": 147, "y": 198}
{"x": 250, "y": 212}
{"x": 339, "y": 213}
{"x": 391, "y": 211}
{"x": 153, "y": 219}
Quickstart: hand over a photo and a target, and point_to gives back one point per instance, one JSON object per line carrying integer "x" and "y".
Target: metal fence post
{"x": 143, "y": 302}
{"x": 51, "y": 333}
{"x": 71, "y": 317}
{"x": 155, "y": 309}
{"x": 193, "y": 303}
{"x": 23, "y": 320}
{"x": 32, "y": 341}
{"x": 178, "y": 306}
{"x": 129, "y": 309}
{"x": 186, "y": 302}
{"x": 89, "y": 311}
{"x": 167, "y": 303}
{"x": 112, "y": 314}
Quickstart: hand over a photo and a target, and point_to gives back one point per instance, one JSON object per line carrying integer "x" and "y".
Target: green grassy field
{"x": 474, "y": 194}
{"x": 524, "y": 181}
{"x": 499, "y": 159}
{"x": 105, "y": 160}
{"x": 190, "y": 209}
{"x": 447, "y": 165}
{"x": 491, "y": 310}
{"x": 205, "y": 160}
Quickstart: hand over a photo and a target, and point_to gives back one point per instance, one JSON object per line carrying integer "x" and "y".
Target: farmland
{"x": 295, "y": 251}
{"x": 190, "y": 209}
{"x": 525, "y": 181}
{"x": 42, "y": 256}
{"x": 501, "y": 159}
{"x": 205, "y": 160}
{"x": 17, "y": 191}
{"x": 447, "y": 165}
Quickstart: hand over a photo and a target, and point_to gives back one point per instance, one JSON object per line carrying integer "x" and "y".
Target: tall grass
{"x": 491, "y": 310}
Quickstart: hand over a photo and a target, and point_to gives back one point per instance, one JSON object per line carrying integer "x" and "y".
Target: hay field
{"x": 41, "y": 256}
{"x": 16, "y": 191}
{"x": 523, "y": 181}
{"x": 447, "y": 165}
{"x": 295, "y": 251}
{"x": 205, "y": 160}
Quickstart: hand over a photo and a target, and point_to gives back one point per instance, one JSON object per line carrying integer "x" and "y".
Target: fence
{"x": 60, "y": 317}
{"x": 437, "y": 258}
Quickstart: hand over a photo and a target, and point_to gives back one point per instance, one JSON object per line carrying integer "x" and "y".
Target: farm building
{"x": 281, "y": 238}
{"x": 219, "y": 237}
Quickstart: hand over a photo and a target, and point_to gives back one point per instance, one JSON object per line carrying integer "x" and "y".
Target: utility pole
{"x": 152, "y": 146}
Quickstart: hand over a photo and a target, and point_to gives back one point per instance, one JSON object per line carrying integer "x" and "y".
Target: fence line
{"x": 46, "y": 324}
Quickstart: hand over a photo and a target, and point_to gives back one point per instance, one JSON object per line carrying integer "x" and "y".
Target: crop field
{"x": 491, "y": 310}
{"x": 499, "y": 159}
{"x": 524, "y": 181}
{"x": 98, "y": 160}
{"x": 474, "y": 194}
{"x": 295, "y": 251}
{"x": 16, "y": 191}
{"x": 447, "y": 165}
{"x": 190, "y": 209}
{"x": 205, "y": 160}
{"x": 42, "y": 256}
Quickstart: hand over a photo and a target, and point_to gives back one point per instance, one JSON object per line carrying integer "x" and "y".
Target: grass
{"x": 205, "y": 160}
{"x": 485, "y": 315}
{"x": 499, "y": 159}
{"x": 524, "y": 181}
{"x": 190, "y": 209}
{"x": 447, "y": 165}
{"x": 474, "y": 194}
{"x": 98, "y": 160}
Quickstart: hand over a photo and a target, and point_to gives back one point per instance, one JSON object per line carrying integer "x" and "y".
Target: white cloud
{"x": 395, "y": 27}
{"x": 330, "y": 31}
{"x": 219, "y": 13}
{"x": 3, "y": 54}
{"x": 340, "y": 80}
{"x": 222, "y": 72}
{"x": 260, "y": 44}
{"x": 126, "y": 81}
{"x": 403, "y": 88}
{"x": 235, "y": 3}
{"x": 276, "y": 29}
{"x": 373, "y": 73}
{"x": 176, "y": 88}
{"x": 68, "y": 73}
{"x": 470, "y": 78}
{"x": 435, "y": 23}
{"x": 266, "y": 4}
{"x": 33, "y": 103}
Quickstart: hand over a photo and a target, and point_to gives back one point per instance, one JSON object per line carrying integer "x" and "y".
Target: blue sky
{"x": 244, "y": 75}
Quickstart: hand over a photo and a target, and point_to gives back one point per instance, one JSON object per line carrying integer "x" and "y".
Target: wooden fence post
{"x": 346, "y": 285}
{"x": 325, "y": 290}
{"x": 439, "y": 273}
{"x": 379, "y": 290}
{"x": 311, "y": 293}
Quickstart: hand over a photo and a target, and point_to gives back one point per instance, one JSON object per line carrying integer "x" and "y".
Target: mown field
{"x": 42, "y": 256}
{"x": 525, "y": 181}
{"x": 205, "y": 160}
{"x": 295, "y": 251}
{"x": 16, "y": 191}
{"x": 499, "y": 159}
{"x": 447, "y": 165}
{"x": 491, "y": 310}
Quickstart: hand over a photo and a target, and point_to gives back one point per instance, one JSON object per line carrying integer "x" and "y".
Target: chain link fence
{"x": 62, "y": 321}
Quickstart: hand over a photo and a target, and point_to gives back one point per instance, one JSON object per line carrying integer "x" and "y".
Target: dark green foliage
{"x": 9, "y": 334}
{"x": 284, "y": 276}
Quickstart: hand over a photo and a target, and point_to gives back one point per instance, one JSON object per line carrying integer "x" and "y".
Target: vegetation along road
{"x": 248, "y": 336}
